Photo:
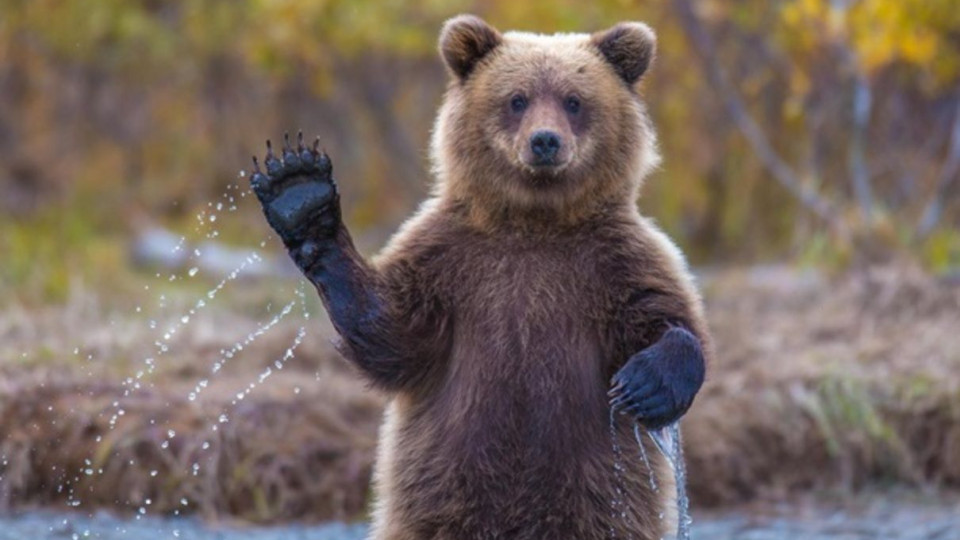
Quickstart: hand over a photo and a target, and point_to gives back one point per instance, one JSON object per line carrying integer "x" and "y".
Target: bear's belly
{"x": 515, "y": 442}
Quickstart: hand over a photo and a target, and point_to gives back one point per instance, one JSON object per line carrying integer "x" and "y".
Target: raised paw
{"x": 298, "y": 195}
{"x": 658, "y": 384}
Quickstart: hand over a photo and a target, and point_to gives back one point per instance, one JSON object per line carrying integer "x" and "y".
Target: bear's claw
{"x": 298, "y": 196}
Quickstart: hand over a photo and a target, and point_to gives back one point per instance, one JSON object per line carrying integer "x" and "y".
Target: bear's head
{"x": 543, "y": 121}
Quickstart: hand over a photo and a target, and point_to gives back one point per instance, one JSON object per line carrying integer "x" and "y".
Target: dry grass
{"x": 82, "y": 428}
{"x": 820, "y": 383}
{"x": 827, "y": 384}
{"x": 273, "y": 459}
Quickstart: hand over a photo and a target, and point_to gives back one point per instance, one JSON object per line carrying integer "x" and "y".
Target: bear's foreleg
{"x": 300, "y": 201}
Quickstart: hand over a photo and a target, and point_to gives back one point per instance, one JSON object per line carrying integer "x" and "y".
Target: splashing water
{"x": 167, "y": 334}
{"x": 278, "y": 364}
{"x": 131, "y": 384}
{"x": 670, "y": 444}
{"x": 227, "y": 354}
{"x": 617, "y": 503}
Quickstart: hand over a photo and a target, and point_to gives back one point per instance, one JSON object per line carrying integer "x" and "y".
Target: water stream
{"x": 670, "y": 444}
{"x": 618, "y": 508}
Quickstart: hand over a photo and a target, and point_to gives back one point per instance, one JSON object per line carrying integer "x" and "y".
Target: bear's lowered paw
{"x": 299, "y": 198}
{"x": 658, "y": 384}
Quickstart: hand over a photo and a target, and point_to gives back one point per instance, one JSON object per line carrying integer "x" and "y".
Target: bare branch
{"x": 778, "y": 168}
{"x": 948, "y": 174}
{"x": 859, "y": 174}
{"x": 862, "y": 105}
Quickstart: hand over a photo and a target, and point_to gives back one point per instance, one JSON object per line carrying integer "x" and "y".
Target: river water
{"x": 881, "y": 519}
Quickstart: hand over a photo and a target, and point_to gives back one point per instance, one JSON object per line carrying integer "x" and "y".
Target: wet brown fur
{"x": 523, "y": 293}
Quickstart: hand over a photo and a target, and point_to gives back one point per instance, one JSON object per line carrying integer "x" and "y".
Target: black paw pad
{"x": 297, "y": 192}
{"x": 298, "y": 203}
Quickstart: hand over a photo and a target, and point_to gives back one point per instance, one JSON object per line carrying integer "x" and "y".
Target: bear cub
{"x": 524, "y": 304}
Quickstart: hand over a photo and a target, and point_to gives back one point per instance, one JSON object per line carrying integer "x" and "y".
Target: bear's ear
{"x": 464, "y": 40}
{"x": 629, "y": 47}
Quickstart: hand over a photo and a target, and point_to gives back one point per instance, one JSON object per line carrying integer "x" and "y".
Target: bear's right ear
{"x": 464, "y": 40}
{"x": 629, "y": 47}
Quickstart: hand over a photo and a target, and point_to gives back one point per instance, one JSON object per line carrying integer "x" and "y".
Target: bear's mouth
{"x": 543, "y": 168}
{"x": 544, "y": 176}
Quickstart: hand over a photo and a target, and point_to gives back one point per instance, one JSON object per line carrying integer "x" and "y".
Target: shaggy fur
{"x": 497, "y": 316}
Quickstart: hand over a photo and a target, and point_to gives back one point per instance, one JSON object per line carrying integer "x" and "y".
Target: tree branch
{"x": 951, "y": 170}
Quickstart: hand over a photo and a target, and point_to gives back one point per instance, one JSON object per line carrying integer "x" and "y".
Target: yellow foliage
{"x": 880, "y": 32}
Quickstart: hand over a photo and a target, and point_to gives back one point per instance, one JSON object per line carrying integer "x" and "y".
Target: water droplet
{"x": 193, "y": 271}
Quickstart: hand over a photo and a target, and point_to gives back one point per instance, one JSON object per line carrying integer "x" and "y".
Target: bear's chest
{"x": 528, "y": 351}
{"x": 526, "y": 303}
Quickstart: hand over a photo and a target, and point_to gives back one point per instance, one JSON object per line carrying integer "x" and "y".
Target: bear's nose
{"x": 545, "y": 145}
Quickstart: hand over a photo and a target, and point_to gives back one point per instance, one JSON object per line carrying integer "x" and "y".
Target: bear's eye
{"x": 518, "y": 103}
{"x": 572, "y": 104}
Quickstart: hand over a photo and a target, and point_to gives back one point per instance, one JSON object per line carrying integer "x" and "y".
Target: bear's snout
{"x": 545, "y": 146}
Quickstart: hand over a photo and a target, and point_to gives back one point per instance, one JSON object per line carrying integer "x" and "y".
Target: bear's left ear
{"x": 629, "y": 47}
{"x": 464, "y": 40}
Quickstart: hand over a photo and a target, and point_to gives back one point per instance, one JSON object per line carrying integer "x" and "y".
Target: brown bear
{"x": 524, "y": 304}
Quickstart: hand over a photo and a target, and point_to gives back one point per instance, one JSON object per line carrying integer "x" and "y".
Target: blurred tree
{"x": 849, "y": 106}
{"x": 833, "y": 55}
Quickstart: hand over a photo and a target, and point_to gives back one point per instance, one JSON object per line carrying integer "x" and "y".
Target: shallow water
{"x": 883, "y": 519}
{"x": 103, "y": 526}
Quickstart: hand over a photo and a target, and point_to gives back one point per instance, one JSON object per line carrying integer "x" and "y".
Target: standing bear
{"x": 524, "y": 303}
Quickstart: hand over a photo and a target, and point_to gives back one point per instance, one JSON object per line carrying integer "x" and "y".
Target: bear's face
{"x": 543, "y": 120}
{"x": 543, "y": 110}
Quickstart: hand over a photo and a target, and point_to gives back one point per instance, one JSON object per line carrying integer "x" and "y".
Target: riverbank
{"x": 236, "y": 407}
